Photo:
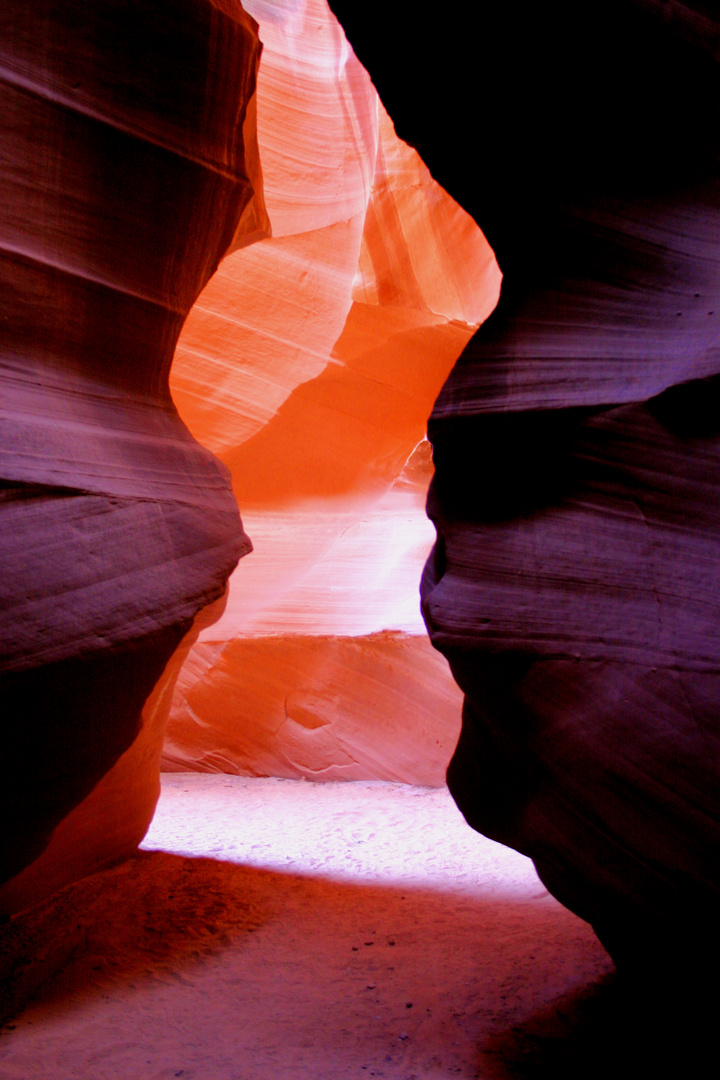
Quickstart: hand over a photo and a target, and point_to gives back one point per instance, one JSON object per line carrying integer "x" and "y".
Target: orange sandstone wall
{"x": 309, "y": 365}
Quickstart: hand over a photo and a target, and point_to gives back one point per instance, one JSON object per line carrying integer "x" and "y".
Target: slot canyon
{"x": 434, "y": 301}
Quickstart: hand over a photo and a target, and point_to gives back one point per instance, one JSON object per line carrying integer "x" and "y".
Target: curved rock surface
{"x": 129, "y": 168}
{"x": 309, "y": 365}
{"x": 574, "y": 582}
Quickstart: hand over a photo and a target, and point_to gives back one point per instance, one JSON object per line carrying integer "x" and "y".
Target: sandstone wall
{"x": 574, "y": 582}
{"x": 129, "y": 168}
{"x": 309, "y": 365}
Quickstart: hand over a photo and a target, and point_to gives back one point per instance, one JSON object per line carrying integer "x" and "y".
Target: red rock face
{"x": 310, "y": 364}
{"x": 574, "y": 582}
{"x": 129, "y": 169}
{"x": 378, "y": 706}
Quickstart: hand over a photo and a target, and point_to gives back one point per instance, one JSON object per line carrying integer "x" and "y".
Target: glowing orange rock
{"x": 310, "y": 364}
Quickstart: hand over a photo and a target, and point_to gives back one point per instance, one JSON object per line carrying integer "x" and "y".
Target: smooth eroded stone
{"x": 574, "y": 583}
{"x": 309, "y": 365}
{"x": 129, "y": 168}
{"x": 372, "y": 707}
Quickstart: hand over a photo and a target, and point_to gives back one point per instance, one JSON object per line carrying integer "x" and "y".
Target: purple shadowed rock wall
{"x": 574, "y": 586}
{"x": 128, "y": 170}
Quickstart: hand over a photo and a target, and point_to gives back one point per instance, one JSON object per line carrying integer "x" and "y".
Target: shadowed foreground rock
{"x": 129, "y": 168}
{"x": 574, "y": 583}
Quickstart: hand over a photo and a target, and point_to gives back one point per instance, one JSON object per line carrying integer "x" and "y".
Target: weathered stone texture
{"x": 128, "y": 169}
{"x": 574, "y": 583}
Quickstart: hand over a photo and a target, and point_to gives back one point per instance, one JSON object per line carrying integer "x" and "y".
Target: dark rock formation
{"x": 574, "y": 583}
{"x": 128, "y": 170}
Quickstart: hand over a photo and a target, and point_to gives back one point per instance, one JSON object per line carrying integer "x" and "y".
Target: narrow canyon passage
{"x": 226, "y": 190}
{"x": 279, "y": 928}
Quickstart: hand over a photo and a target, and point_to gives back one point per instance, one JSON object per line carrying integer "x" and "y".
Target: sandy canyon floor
{"x": 274, "y": 929}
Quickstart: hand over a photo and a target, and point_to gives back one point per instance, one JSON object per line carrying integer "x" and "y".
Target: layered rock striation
{"x": 129, "y": 168}
{"x": 574, "y": 581}
{"x": 309, "y": 365}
